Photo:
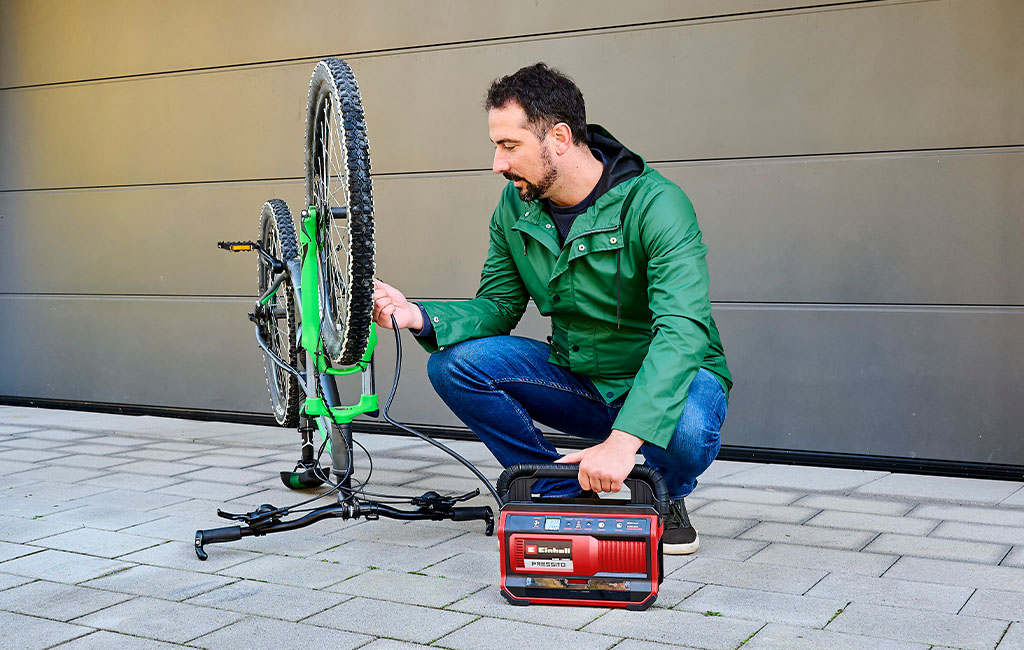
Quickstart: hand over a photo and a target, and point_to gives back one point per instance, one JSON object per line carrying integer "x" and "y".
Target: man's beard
{"x": 531, "y": 191}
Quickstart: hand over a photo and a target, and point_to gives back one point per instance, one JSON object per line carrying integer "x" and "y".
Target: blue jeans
{"x": 498, "y": 386}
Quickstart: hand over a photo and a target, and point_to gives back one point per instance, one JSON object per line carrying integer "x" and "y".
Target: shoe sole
{"x": 682, "y": 549}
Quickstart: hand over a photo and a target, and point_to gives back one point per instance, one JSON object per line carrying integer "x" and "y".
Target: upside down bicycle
{"x": 313, "y": 322}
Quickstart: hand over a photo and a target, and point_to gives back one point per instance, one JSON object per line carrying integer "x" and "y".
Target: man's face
{"x": 519, "y": 155}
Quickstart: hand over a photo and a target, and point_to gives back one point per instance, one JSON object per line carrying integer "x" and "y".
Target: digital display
{"x": 552, "y": 523}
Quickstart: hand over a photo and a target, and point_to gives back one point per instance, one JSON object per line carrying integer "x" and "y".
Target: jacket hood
{"x": 622, "y": 164}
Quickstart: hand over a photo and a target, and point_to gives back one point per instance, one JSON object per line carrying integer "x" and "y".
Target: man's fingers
{"x": 574, "y": 457}
{"x": 584, "y": 480}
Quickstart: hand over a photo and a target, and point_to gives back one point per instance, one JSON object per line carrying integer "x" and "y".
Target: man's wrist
{"x": 628, "y": 440}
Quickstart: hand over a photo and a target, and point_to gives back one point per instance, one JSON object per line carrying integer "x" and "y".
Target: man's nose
{"x": 500, "y": 165}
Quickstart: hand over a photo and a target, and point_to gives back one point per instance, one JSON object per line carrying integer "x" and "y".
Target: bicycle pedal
{"x": 237, "y": 246}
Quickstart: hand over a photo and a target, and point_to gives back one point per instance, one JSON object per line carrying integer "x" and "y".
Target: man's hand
{"x": 604, "y": 467}
{"x": 388, "y": 300}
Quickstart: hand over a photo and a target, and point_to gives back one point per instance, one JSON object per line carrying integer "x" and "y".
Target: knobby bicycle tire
{"x": 338, "y": 176}
{"x": 277, "y": 236}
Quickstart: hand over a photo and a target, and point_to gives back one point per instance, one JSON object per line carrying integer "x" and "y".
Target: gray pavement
{"x": 97, "y": 515}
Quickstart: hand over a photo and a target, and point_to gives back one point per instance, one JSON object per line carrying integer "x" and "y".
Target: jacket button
{"x": 582, "y": 247}
{"x": 609, "y": 394}
{"x": 527, "y": 213}
{"x": 547, "y": 225}
{"x": 613, "y": 240}
{"x": 575, "y": 348}
{"x": 555, "y": 298}
{"x": 436, "y": 319}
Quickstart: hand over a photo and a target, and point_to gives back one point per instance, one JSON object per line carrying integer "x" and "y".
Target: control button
{"x": 600, "y": 524}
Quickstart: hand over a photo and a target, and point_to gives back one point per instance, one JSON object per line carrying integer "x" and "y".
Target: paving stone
{"x": 760, "y": 605}
{"x": 1015, "y": 557}
{"x": 749, "y": 575}
{"x": 786, "y": 637}
{"x": 417, "y": 533}
{"x": 395, "y": 620}
{"x": 672, "y": 592}
{"x": 1015, "y": 499}
{"x": 58, "y": 491}
{"x": 676, "y": 627}
{"x": 941, "y": 488}
{"x": 894, "y": 593}
{"x": 205, "y": 489}
{"x": 87, "y": 448}
{"x": 487, "y": 633}
{"x": 159, "y": 468}
{"x": 1013, "y": 639}
{"x": 934, "y": 547}
{"x": 28, "y": 455}
{"x": 66, "y": 474}
{"x": 9, "y": 551}
{"x": 9, "y": 429}
{"x": 827, "y": 559}
{"x": 796, "y": 477}
{"x": 391, "y": 644}
{"x": 92, "y": 462}
{"x": 876, "y": 523}
{"x": 919, "y": 626}
{"x": 725, "y": 548}
{"x": 60, "y": 566}
{"x": 770, "y": 531}
{"x": 57, "y": 601}
{"x": 754, "y": 511}
{"x": 8, "y": 467}
{"x": 105, "y": 517}
{"x": 148, "y": 453}
{"x": 723, "y": 468}
{"x": 31, "y": 633}
{"x": 988, "y": 603}
{"x": 391, "y": 557}
{"x": 91, "y": 541}
{"x": 410, "y": 588}
{"x": 182, "y": 555}
{"x": 264, "y": 599}
{"x": 26, "y": 443}
{"x": 20, "y": 531}
{"x": 59, "y": 435}
{"x": 193, "y": 447}
{"x": 139, "y": 482}
{"x": 103, "y": 640}
{"x": 489, "y": 602}
{"x": 159, "y": 582}
{"x": 999, "y": 516}
{"x": 475, "y": 567}
{"x": 980, "y": 576}
{"x": 32, "y": 507}
{"x": 980, "y": 532}
{"x": 750, "y": 495}
{"x": 8, "y": 581}
{"x": 855, "y": 504}
{"x": 160, "y": 619}
{"x": 122, "y": 441}
{"x": 309, "y": 573}
{"x": 720, "y": 526}
{"x": 261, "y": 632}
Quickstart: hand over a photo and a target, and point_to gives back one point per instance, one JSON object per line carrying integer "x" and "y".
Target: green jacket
{"x": 627, "y": 295}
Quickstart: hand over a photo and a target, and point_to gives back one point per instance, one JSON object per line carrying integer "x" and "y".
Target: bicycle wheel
{"x": 337, "y": 177}
{"x": 277, "y": 322}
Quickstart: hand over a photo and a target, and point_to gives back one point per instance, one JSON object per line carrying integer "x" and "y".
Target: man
{"x": 611, "y": 251}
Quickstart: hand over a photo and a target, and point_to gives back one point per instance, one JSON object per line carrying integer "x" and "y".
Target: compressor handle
{"x": 645, "y": 484}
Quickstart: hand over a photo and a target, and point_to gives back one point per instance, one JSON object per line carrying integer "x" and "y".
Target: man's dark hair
{"x": 546, "y": 95}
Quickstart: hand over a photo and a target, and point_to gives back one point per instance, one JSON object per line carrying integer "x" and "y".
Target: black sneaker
{"x": 680, "y": 537}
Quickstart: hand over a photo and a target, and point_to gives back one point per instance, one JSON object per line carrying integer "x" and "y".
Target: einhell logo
{"x": 548, "y": 549}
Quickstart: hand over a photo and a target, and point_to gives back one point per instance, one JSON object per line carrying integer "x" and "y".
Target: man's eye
{"x": 510, "y": 147}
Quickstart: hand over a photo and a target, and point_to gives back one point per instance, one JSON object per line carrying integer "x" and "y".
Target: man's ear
{"x": 561, "y": 136}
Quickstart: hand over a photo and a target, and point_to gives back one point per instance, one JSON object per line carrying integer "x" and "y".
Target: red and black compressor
{"x": 599, "y": 552}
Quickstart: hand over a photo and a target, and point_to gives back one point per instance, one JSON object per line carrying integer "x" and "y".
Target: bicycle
{"x": 313, "y": 322}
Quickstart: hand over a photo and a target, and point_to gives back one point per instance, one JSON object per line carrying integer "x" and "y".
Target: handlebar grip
{"x": 470, "y": 513}
{"x": 226, "y": 534}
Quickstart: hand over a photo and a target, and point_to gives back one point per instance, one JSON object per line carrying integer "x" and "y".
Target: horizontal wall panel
{"x": 127, "y": 37}
{"x": 921, "y": 383}
{"x": 864, "y": 78}
{"x": 923, "y": 228}
{"x": 160, "y": 352}
{"x": 157, "y": 240}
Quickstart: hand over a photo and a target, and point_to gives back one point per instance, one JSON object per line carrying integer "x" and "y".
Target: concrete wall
{"x": 857, "y": 169}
